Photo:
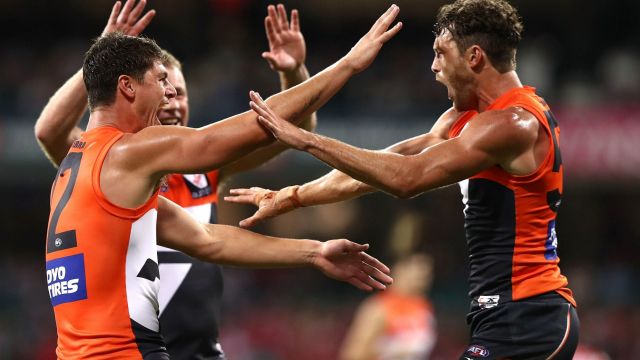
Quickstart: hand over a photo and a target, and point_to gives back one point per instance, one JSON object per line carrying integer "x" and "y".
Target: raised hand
{"x": 283, "y": 130}
{"x": 346, "y": 261}
{"x": 367, "y": 48}
{"x": 287, "y": 49}
{"x": 127, "y": 19}
{"x": 270, "y": 203}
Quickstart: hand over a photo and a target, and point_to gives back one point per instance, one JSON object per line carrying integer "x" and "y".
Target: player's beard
{"x": 464, "y": 98}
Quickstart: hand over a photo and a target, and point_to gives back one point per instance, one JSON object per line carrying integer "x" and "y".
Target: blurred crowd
{"x": 590, "y": 59}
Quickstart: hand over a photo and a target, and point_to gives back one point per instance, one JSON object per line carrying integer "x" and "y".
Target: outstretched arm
{"x": 504, "y": 138}
{"x": 184, "y": 150}
{"x": 286, "y": 55}
{"x": 338, "y": 259}
{"x": 335, "y": 186}
{"x": 57, "y": 126}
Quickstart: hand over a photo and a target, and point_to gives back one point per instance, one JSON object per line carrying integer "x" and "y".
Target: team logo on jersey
{"x": 66, "y": 279}
{"x": 488, "y": 301}
{"x": 477, "y": 350}
{"x": 198, "y": 180}
{"x": 198, "y": 185}
{"x": 551, "y": 245}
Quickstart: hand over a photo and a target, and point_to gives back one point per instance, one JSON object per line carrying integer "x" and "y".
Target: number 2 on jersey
{"x": 65, "y": 239}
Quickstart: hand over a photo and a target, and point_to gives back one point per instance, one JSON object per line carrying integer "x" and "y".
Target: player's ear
{"x": 475, "y": 56}
{"x": 126, "y": 86}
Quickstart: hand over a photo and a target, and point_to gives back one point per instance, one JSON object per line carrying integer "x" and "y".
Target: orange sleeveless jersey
{"x": 410, "y": 328}
{"x": 101, "y": 261}
{"x": 510, "y": 221}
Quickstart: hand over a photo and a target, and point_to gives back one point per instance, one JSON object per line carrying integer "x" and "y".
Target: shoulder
{"x": 512, "y": 129}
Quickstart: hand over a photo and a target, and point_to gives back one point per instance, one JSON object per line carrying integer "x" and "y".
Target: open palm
{"x": 287, "y": 49}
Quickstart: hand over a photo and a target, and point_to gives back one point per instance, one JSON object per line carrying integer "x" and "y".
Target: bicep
{"x": 172, "y": 149}
{"x": 450, "y": 161}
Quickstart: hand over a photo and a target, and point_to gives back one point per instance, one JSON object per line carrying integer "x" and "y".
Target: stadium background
{"x": 584, "y": 58}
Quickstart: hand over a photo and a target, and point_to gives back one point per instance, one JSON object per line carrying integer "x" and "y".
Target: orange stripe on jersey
{"x": 510, "y": 220}
{"x": 101, "y": 261}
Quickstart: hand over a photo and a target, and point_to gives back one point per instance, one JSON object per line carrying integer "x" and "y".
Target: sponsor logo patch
{"x": 551, "y": 245}
{"x": 477, "y": 350}
{"x": 488, "y": 301}
{"x": 66, "y": 280}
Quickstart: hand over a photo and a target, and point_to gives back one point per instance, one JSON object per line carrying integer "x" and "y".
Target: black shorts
{"x": 541, "y": 327}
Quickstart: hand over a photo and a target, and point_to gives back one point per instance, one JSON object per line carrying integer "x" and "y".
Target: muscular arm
{"x": 335, "y": 186}
{"x": 182, "y": 150}
{"x": 506, "y": 138}
{"x": 57, "y": 125}
{"x": 339, "y": 259}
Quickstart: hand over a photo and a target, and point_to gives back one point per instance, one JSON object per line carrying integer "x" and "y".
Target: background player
{"x": 399, "y": 323}
{"x": 191, "y": 290}
{"x": 500, "y": 141}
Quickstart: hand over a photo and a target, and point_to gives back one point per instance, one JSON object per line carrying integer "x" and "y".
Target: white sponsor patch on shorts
{"x": 488, "y": 301}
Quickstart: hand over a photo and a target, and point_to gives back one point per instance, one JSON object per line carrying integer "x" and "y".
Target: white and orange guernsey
{"x": 102, "y": 267}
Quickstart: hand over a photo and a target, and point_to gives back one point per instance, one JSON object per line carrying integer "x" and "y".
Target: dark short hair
{"x": 494, "y": 25}
{"x": 113, "y": 55}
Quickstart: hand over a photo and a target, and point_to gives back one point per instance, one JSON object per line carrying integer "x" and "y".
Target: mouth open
{"x": 170, "y": 121}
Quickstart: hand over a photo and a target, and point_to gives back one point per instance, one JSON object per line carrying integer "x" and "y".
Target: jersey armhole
{"x": 107, "y": 205}
{"x": 548, "y": 159}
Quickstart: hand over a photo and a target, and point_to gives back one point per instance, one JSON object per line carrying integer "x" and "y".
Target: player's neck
{"x": 125, "y": 121}
{"x": 493, "y": 84}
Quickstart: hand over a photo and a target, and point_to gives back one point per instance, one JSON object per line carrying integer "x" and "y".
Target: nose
{"x": 170, "y": 91}
{"x": 435, "y": 66}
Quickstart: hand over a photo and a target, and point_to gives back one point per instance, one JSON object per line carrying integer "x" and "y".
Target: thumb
{"x": 350, "y": 246}
{"x": 271, "y": 59}
{"x": 249, "y": 222}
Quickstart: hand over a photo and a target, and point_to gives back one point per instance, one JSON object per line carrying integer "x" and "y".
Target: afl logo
{"x": 477, "y": 350}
